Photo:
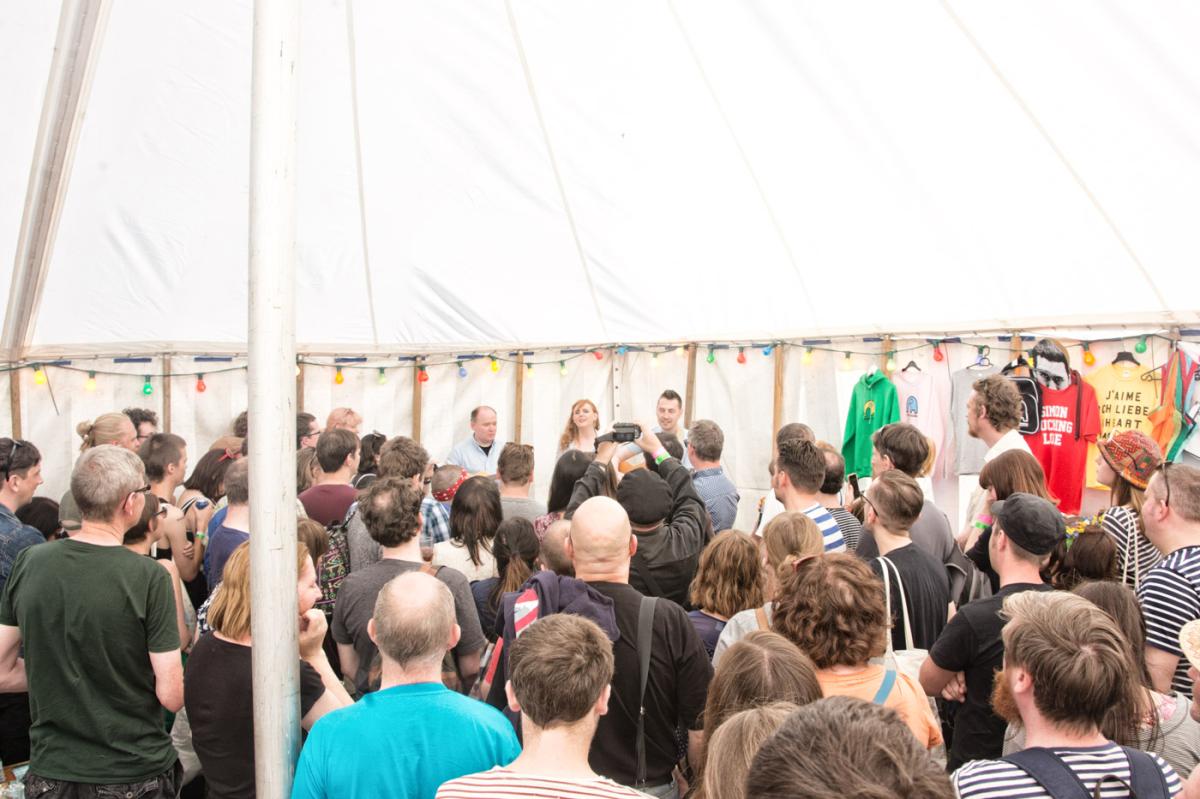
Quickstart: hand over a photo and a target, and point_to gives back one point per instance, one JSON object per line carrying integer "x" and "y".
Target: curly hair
{"x": 1001, "y": 401}
{"x": 729, "y": 578}
{"x": 832, "y": 608}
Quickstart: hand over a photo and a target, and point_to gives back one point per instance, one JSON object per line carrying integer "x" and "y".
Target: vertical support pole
{"x": 166, "y": 394}
{"x": 885, "y": 350}
{"x": 689, "y": 391}
{"x": 299, "y": 387}
{"x": 14, "y": 400}
{"x": 777, "y": 407}
{"x": 519, "y": 397}
{"x": 271, "y": 382}
{"x": 1015, "y": 346}
{"x": 416, "y": 401}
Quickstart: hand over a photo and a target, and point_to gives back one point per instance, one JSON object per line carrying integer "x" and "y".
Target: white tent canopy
{"x": 482, "y": 175}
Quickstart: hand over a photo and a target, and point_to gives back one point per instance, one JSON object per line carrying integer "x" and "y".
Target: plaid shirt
{"x": 437, "y": 522}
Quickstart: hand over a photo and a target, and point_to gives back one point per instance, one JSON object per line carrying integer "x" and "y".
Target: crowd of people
{"x": 459, "y": 637}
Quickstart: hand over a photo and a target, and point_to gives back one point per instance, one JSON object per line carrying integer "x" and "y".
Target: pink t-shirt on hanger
{"x": 920, "y": 407}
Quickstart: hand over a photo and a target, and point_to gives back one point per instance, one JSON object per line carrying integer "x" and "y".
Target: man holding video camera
{"x": 667, "y": 515}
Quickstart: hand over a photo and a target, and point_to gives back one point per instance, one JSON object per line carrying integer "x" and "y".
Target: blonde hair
{"x": 788, "y": 539}
{"x": 730, "y": 753}
{"x": 570, "y": 431}
{"x": 343, "y": 418}
{"x": 108, "y": 428}
{"x": 229, "y": 613}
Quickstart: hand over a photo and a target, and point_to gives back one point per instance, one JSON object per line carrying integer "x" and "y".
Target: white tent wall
{"x": 739, "y": 397}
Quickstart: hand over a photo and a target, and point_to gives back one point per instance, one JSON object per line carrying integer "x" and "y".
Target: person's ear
{"x": 633, "y": 544}
{"x": 569, "y": 548}
{"x": 371, "y": 631}
{"x": 511, "y": 695}
{"x": 601, "y": 706}
{"x": 455, "y": 635}
{"x": 1020, "y": 681}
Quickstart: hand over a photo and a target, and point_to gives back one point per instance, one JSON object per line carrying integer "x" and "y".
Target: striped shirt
{"x": 1170, "y": 598}
{"x": 999, "y": 779}
{"x": 1123, "y": 526}
{"x": 830, "y": 532}
{"x": 504, "y": 784}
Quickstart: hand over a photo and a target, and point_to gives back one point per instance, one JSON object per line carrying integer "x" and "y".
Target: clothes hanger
{"x": 983, "y": 361}
{"x": 911, "y": 365}
{"x": 1124, "y": 356}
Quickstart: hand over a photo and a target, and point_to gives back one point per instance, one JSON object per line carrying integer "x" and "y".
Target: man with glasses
{"x": 145, "y": 422}
{"x": 22, "y": 473}
{"x": 307, "y": 430}
{"x": 101, "y": 646}
{"x": 1170, "y": 593}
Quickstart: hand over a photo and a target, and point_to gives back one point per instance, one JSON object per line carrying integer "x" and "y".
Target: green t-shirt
{"x": 89, "y": 617}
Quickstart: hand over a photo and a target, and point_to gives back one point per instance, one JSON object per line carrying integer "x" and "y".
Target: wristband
{"x": 661, "y": 455}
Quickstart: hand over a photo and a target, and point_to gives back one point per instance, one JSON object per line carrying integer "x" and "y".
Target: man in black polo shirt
{"x": 601, "y": 545}
{"x": 967, "y": 654}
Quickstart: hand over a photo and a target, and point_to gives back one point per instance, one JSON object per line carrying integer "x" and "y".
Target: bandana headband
{"x": 448, "y": 494}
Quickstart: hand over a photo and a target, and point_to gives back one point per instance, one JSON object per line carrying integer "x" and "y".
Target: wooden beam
{"x": 689, "y": 391}
{"x": 518, "y": 397}
{"x": 885, "y": 350}
{"x": 166, "y": 394}
{"x": 777, "y": 408}
{"x": 299, "y": 386}
{"x": 1015, "y": 345}
{"x": 416, "y": 401}
{"x": 14, "y": 399}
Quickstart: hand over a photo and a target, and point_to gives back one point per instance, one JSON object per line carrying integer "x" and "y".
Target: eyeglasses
{"x": 867, "y": 500}
{"x": 143, "y": 490}
{"x": 1162, "y": 469}
{"x": 12, "y": 453}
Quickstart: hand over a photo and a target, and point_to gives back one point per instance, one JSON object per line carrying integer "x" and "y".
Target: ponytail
{"x": 516, "y": 548}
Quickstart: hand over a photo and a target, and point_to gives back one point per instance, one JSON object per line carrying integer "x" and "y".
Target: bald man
{"x": 355, "y": 752}
{"x": 601, "y": 544}
{"x": 479, "y": 453}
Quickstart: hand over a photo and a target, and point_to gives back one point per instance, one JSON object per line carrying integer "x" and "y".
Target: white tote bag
{"x": 908, "y": 660}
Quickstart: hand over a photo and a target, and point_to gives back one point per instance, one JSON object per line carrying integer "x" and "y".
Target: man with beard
{"x": 969, "y": 650}
{"x": 1066, "y": 673}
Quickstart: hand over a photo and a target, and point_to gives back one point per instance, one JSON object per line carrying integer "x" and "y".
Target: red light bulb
{"x": 938, "y": 355}
{"x": 741, "y": 356}
{"x": 200, "y": 384}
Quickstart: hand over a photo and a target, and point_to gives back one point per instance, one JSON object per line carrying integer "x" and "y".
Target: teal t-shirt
{"x": 402, "y": 742}
{"x": 89, "y": 617}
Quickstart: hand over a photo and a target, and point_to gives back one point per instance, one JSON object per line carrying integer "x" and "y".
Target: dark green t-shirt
{"x": 89, "y": 617}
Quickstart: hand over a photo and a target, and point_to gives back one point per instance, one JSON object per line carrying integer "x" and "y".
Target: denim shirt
{"x": 15, "y": 536}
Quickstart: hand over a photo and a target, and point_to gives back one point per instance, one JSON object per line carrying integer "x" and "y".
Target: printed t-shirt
{"x": 927, "y": 589}
{"x": 328, "y": 503}
{"x": 219, "y": 698}
{"x": 89, "y": 615}
{"x": 971, "y": 643}
{"x": 500, "y": 783}
{"x": 831, "y": 534}
{"x": 1170, "y": 598}
{"x": 675, "y": 690}
{"x": 872, "y": 405}
{"x": 921, "y": 408}
{"x": 402, "y": 742}
{"x": 1124, "y": 400}
{"x": 1062, "y": 455}
{"x": 906, "y": 698}
{"x": 983, "y": 779}
{"x": 356, "y": 605}
{"x": 221, "y": 545}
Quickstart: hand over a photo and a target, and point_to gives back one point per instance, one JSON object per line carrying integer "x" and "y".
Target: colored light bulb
{"x": 147, "y": 387}
{"x": 338, "y": 377}
{"x": 890, "y": 364}
{"x": 654, "y": 359}
{"x": 382, "y": 378}
{"x": 422, "y": 375}
{"x": 599, "y": 356}
{"x": 807, "y": 357}
{"x": 495, "y": 366}
{"x": 39, "y": 375}
{"x": 847, "y": 363}
{"x": 622, "y": 350}
{"x": 1140, "y": 347}
{"x": 200, "y": 384}
{"x": 562, "y": 368}
{"x": 90, "y": 385}
{"x": 767, "y": 350}
{"x": 1088, "y": 357}
{"x": 741, "y": 358}
{"x": 938, "y": 355}
{"x": 462, "y": 370}
{"x": 712, "y": 356}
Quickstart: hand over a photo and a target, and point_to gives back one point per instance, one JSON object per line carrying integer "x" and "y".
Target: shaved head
{"x": 600, "y": 537}
{"x": 554, "y": 552}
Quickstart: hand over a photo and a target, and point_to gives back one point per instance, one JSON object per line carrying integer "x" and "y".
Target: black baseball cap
{"x": 645, "y": 496}
{"x": 1033, "y": 523}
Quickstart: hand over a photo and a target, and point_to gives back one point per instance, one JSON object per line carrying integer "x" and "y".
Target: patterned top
{"x": 1170, "y": 597}
{"x": 999, "y": 779}
{"x": 720, "y": 497}
{"x": 830, "y": 532}
{"x": 500, "y": 782}
{"x": 437, "y": 522}
{"x": 1123, "y": 526}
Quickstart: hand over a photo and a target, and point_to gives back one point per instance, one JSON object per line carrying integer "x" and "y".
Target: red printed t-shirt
{"x": 1064, "y": 456}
